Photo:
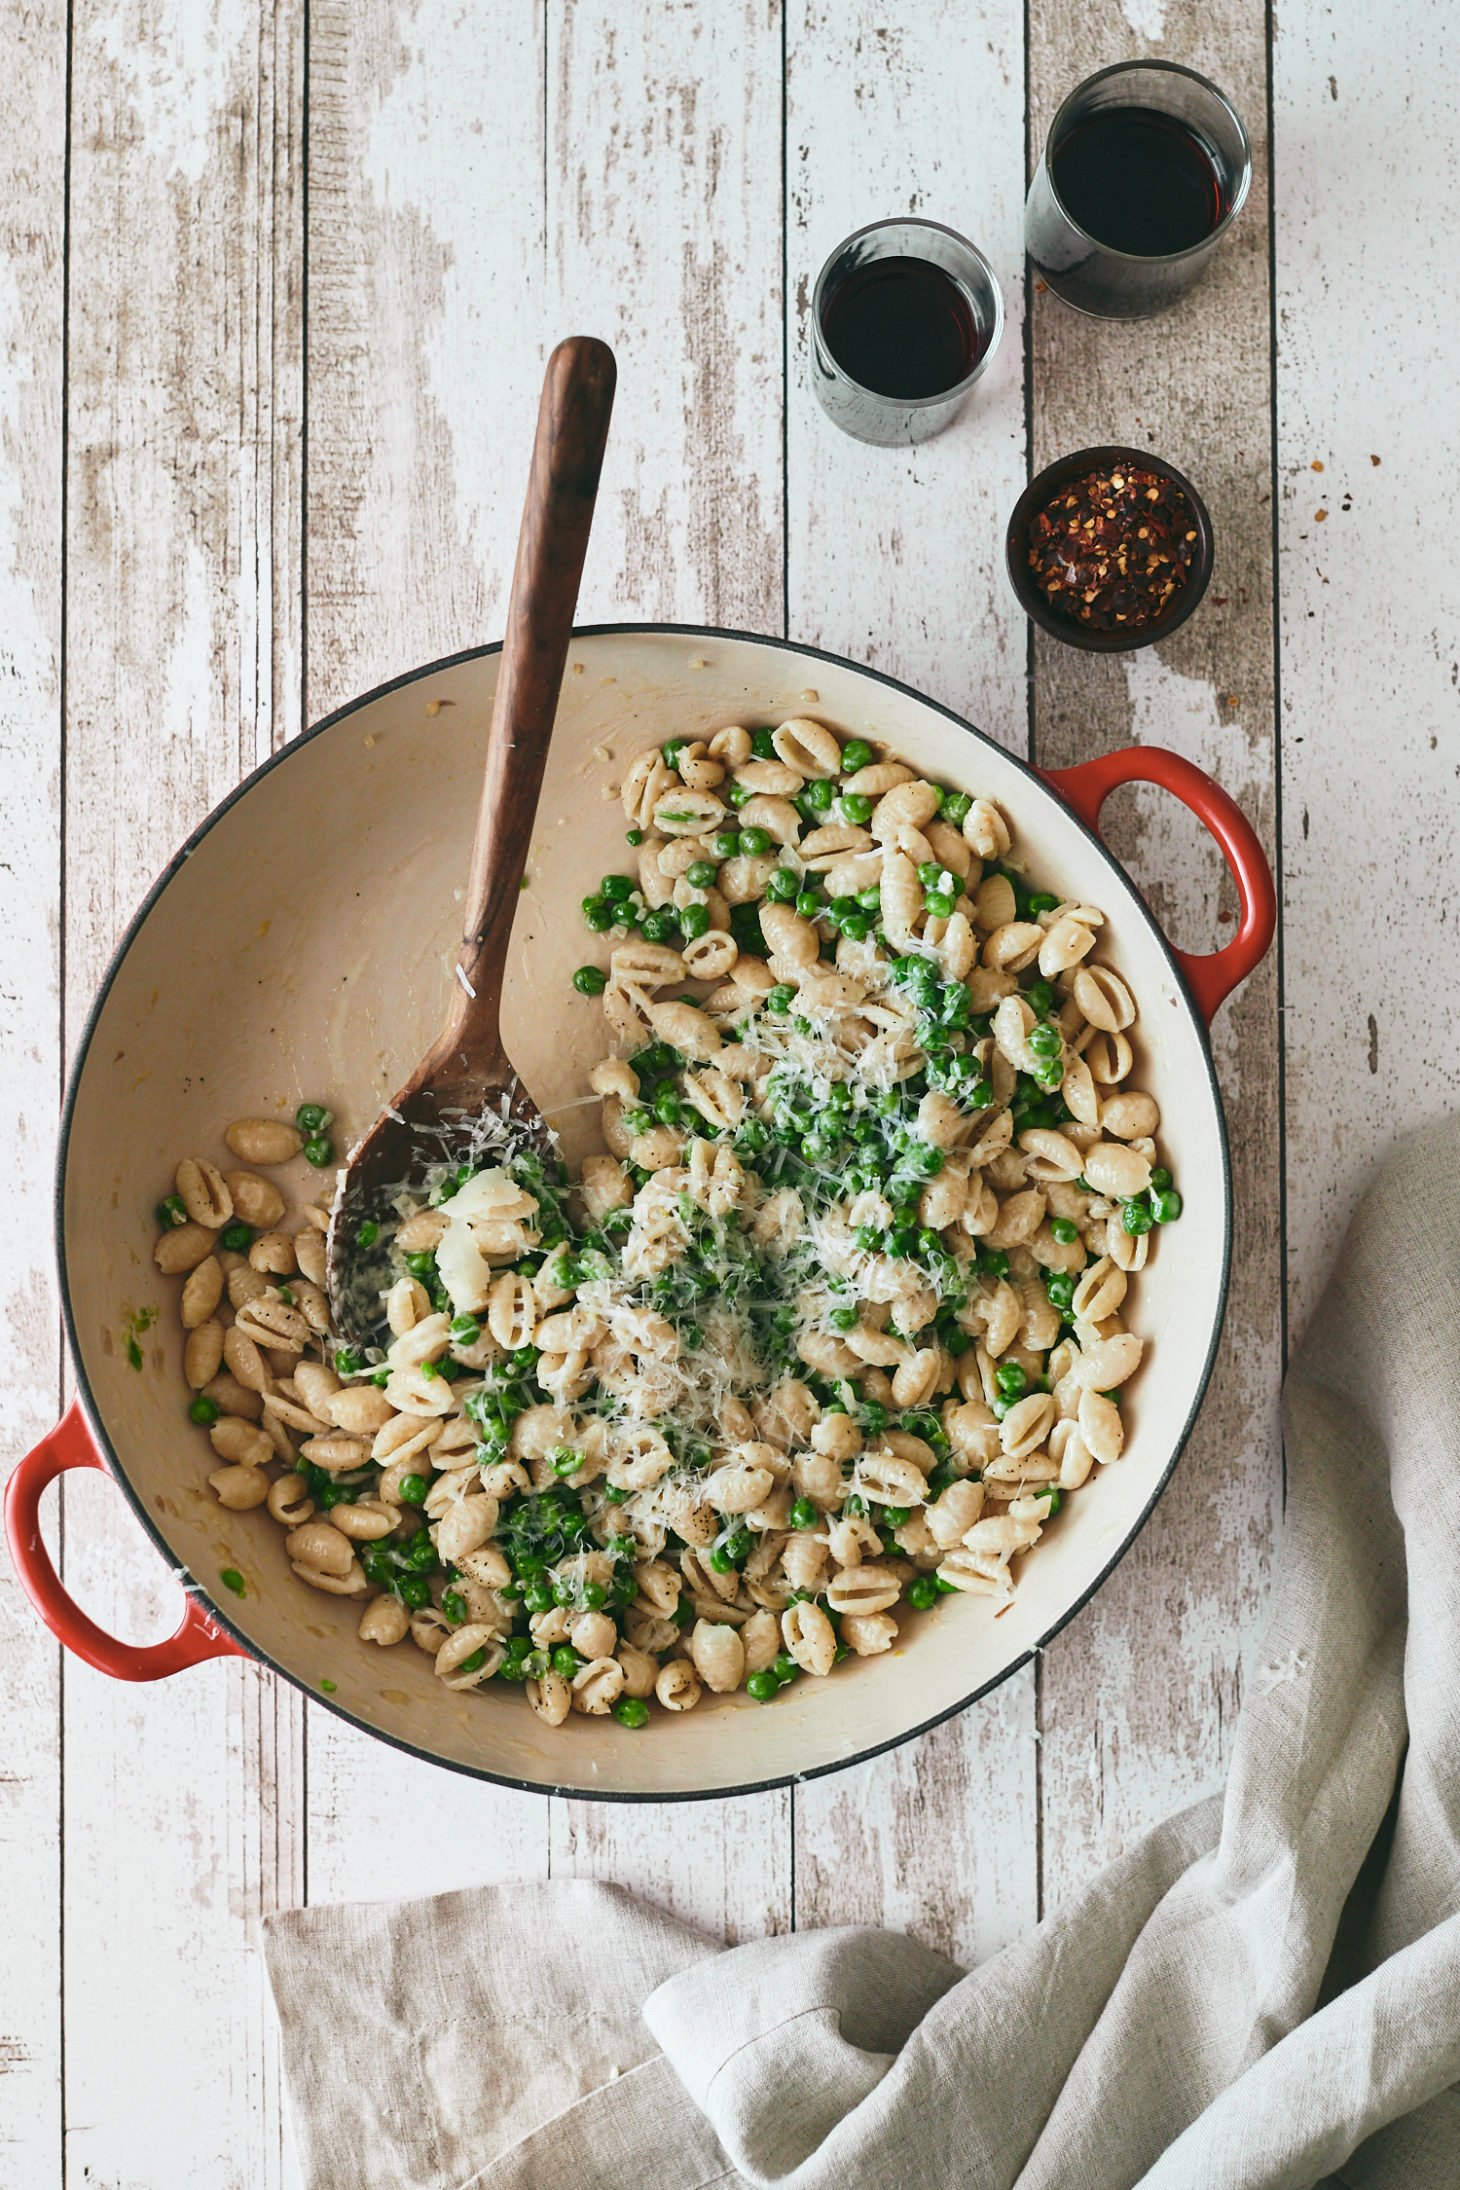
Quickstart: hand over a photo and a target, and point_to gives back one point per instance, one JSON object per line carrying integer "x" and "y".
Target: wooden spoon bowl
{"x": 466, "y": 1075}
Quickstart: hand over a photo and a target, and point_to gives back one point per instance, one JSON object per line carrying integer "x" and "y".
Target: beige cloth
{"x": 1263, "y": 1995}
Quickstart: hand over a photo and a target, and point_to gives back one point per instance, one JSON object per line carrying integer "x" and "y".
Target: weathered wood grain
{"x": 890, "y": 559}
{"x": 1364, "y": 114}
{"x": 1139, "y": 1695}
{"x": 664, "y": 232}
{"x": 32, "y": 304}
{"x": 425, "y": 346}
{"x": 664, "y": 235}
{"x": 428, "y": 328}
{"x": 184, "y": 378}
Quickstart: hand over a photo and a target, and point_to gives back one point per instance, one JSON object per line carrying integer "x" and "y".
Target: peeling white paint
{"x": 1147, "y": 18}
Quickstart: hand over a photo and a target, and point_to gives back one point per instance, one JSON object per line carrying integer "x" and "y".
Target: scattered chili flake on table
{"x": 1111, "y": 549}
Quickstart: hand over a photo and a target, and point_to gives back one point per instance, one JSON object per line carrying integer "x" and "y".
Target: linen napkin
{"x": 1264, "y": 1994}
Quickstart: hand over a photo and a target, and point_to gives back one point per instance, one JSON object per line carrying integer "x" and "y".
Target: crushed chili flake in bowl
{"x": 1109, "y": 549}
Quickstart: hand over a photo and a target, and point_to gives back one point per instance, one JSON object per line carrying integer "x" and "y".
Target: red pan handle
{"x": 69, "y": 1445}
{"x": 1211, "y": 976}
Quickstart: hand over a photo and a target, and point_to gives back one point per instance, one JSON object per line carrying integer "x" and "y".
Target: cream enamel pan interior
{"x": 300, "y": 947}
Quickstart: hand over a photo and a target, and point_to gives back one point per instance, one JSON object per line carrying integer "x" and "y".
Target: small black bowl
{"x": 1042, "y": 490}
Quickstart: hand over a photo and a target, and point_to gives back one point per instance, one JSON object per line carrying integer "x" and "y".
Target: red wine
{"x": 1139, "y": 181}
{"x": 901, "y": 327}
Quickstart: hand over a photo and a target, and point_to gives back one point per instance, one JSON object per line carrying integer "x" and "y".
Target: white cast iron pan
{"x": 299, "y": 948}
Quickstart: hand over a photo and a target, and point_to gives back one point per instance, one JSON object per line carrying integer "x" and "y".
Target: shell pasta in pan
{"x": 835, "y": 1322}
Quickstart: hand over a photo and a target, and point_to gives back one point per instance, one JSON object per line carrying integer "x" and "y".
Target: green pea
{"x": 725, "y": 844}
{"x": 1039, "y": 995}
{"x": 203, "y": 1411}
{"x": 1041, "y": 902}
{"x": 423, "y": 1556}
{"x": 634, "y": 837}
{"x": 1045, "y": 1040}
{"x": 614, "y": 1495}
{"x": 367, "y": 1233}
{"x": 236, "y": 1238}
{"x": 171, "y": 1213}
{"x": 1060, "y": 1287}
{"x": 631, "y": 1711}
{"x": 955, "y": 808}
{"x": 590, "y": 981}
{"x": 896, "y": 1516}
{"x": 762, "y": 745}
{"x": 1160, "y": 1178}
{"x": 780, "y": 998}
{"x": 694, "y": 921}
{"x": 755, "y": 841}
{"x": 566, "y": 1661}
{"x": 930, "y": 874}
{"x": 870, "y": 899}
{"x": 763, "y": 1686}
{"x": 414, "y": 1591}
{"x": 1165, "y": 1207}
{"x": 1011, "y": 1379}
{"x": 668, "y": 1108}
{"x": 347, "y": 1361}
{"x": 538, "y": 1597}
{"x": 320, "y": 1151}
{"x": 857, "y": 808}
{"x": 617, "y": 888}
{"x": 594, "y": 1595}
{"x": 598, "y": 914}
{"x": 993, "y": 1261}
{"x": 939, "y": 903}
{"x": 1065, "y": 1230}
{"x": 311, "y": 1118}
{"x": 809, "y": 905}
{"x": 922, "y": 1592}
{"x": 421, "y": 1264}
{"x": 564, "y": 1460}
{"x": 701, "y": 875}
{"x": 804, "y": 1514}
{"x": 721, "y": 1560}
{"x": 782, "y": 887}
{"x": 856, "y": 755}
{"x": 1051, "y": 1492}
{"x": 740, "y": 794}
{"x": 785, "y": 1668}
{"x": 856, "y": 926}
{"x": 475, "y": 1662}
{"x": 453, "y": 1607}
{"x": 817, "y": 798}
{"x": 464, "y": 1331}
{"x": 841, "y": 1319}
{"x": 1136, "y": 1218}
{"x": 232, "y": 1579}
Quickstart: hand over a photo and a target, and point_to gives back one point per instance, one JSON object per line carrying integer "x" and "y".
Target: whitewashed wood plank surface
{"x": 1138, "y": 1697}
{"x": 184, "y": 364}
{"x": 664, "y": 233}
{"x": 888, "y": 560}
{"x": 425, "y": 249}
{"x": 471, "y": 198}
{"x": 32, "y": 304}
{"x": 1368, "y": 194}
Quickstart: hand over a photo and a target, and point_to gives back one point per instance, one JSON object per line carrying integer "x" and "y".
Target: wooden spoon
{"x": 467, "y": 1071}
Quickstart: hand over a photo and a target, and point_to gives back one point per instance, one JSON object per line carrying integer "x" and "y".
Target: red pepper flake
{"x": 1112, "y": 548}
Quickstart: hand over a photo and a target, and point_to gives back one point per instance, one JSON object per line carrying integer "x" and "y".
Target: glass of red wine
{"x": 1145, "y": 169}
{"x": 905, "y": 317}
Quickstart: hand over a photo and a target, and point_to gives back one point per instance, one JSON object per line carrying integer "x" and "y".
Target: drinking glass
{"x": 893, "y": 421}
{"x": 1095, "y": 278}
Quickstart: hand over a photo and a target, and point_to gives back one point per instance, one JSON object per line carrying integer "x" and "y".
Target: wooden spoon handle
{"x": 567, "y": 456}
